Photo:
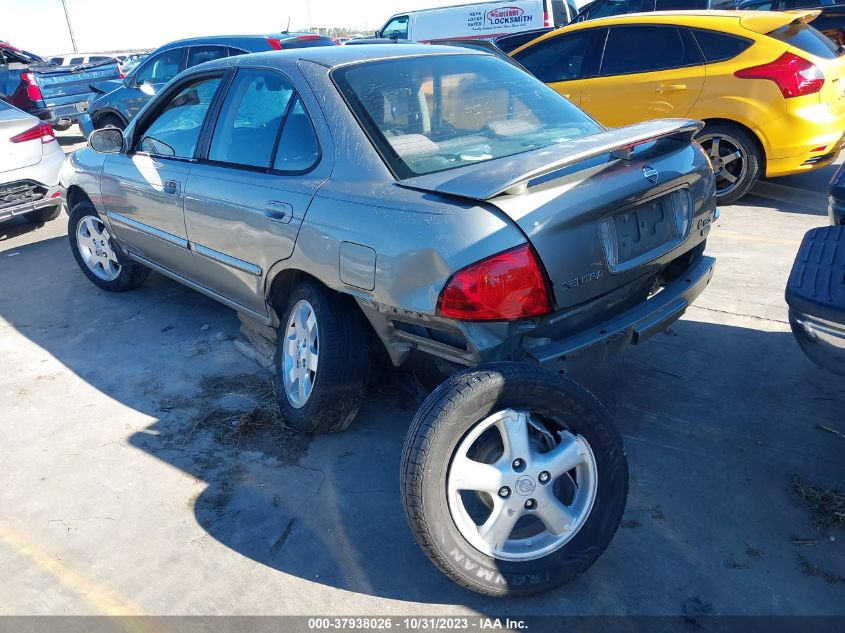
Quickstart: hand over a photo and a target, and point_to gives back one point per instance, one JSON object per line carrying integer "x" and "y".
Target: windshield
{"x": 437, "y": 112}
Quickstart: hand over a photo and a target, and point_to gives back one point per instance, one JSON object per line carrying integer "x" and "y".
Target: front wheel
{"x": 736, "y": 160}
{"x": 514, "y": 479}
{"x": 94, "y": 252}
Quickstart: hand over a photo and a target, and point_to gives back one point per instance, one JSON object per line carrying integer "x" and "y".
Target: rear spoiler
{"x": 767, "y": 21}
{"x": 511, "y": 175}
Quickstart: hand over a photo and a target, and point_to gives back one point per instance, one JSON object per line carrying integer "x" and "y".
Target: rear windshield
{"x": 437, "y": 112}
{"x": 808, "y": 39}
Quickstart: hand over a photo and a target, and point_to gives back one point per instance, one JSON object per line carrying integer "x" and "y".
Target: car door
{"x": 246, "y": 197}
{"x": 143, "y": 188}
{"x": 646, "y": 72}
{"x": 148, "y": 79}
{"x": 564, "y": 61}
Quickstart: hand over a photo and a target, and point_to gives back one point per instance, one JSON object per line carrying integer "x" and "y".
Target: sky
{"x": 39, "y": 26}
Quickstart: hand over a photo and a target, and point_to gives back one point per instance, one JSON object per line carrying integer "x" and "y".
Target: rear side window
{"x": 718, "y": 47}
{"x": 74, "y": 61}
{"x": 298, "y": 148}
{"x": 199, "y": 54}
{"x": 248, "y": 125}
{"x": 560, "y": 58}
{"x": 807, "y": 39}
{"x": 176, "y": 129}
{"x": 640, "y": 49}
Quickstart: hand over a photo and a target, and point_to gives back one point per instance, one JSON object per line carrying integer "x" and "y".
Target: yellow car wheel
{"x": 736, "y": 160}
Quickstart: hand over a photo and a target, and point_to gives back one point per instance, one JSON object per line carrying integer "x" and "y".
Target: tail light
{"x": 546, "y": 21}
{"x": 794, "y": 76}
{"x": 274, "y": 43}
{"x": 504, "y": 287}
{"x": 33, "y": 91}
{"x": 44, "y": 131}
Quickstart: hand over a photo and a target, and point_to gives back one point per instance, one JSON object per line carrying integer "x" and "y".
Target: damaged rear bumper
{"x": 629, "y": 328}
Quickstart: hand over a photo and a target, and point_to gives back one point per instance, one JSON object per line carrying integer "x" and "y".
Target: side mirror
{"x": 378, "y": 33}
{"x": 108, "y": 140}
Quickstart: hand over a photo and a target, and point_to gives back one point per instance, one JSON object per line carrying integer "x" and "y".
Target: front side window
{"x": 560, "y": 58}
{"x": 175, "y": 130}
{"x": 199, "y": 54}
{"x": 396, "y": 29}
{"x": 640, "y": 49}
{"x": 439, "y": 112}
{"x": 249, "y": 122}
{"x": 161, "y": 68}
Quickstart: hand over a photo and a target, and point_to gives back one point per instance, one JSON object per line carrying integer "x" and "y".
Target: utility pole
{"x": 307, "y": 13}
{"x": 69, "y": 27}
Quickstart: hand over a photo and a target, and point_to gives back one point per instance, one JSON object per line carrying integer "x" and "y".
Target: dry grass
{"x": 827, "y": 505}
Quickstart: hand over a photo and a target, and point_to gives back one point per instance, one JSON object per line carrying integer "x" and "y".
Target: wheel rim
{"x": 730, "y": 163}
{"x": 537, "y": 483}
{"x": 94, "y": 244}
{"x": 301, "y": 354}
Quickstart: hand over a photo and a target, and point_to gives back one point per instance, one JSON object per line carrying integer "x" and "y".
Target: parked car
{"x": 52, "y": 93}
{"x": 815, "y": 294}
{"x": 76, "y": 59}
{"x": 608, "y": 8}
{"x": 120, "y": 101}
{"x": 768, "y": 85}
{"x": 420, "y": 199}
{"x": 480, "y": 20}
{"x": 30, "y": 161}
{"x": 836, "y": 206}
{"x": 830, "y": 21}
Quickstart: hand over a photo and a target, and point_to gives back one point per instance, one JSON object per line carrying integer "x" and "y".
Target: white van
{"x": 482, "y": 20}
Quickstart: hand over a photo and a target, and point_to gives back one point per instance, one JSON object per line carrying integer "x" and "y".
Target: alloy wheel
{"x": 301, "y": 354}
{"x": 730, "y": 163}
{"x": 519, "y": 489}
{"x": 93, "y": 242}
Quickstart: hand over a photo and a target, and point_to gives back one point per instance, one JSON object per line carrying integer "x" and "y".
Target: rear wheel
{"x": 736, "y": 159}
{"x": 514, "y": 479}
{"x": 322, "y": 360}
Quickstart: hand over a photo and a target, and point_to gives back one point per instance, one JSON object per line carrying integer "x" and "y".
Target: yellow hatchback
{"x": 768, "y": 86}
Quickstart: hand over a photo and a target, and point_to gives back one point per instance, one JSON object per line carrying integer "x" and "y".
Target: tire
{"x": 336, "y": 342}
{"x": 735, "y": 177}
{"x": 120, "y": 277}
{"x": 62, "y": 128}
{"x": 109, "y": 120}
{"x": 451, "y": 418}
{"x": 46, "y": 214}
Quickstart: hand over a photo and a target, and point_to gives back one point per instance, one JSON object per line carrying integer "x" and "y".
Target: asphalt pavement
{"x": 142, "y": 473}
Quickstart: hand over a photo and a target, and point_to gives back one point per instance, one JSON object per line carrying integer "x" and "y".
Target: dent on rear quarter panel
{"x": 420, "y": 239}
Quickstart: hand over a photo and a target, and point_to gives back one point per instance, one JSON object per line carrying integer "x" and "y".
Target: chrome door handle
{"x": 172, "y": 187}
{"x": 278, "y": 211}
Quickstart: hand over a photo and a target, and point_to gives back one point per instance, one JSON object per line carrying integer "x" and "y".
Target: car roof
{"x": 238, "y": 39}
{"x": 332, "y": 56}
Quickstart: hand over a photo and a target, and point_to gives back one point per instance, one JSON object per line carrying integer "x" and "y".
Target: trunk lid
{"x": 601, "y": 211}
{"x": 17, "y": 155}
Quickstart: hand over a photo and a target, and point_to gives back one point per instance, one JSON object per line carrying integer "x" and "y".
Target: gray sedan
{"x": 408, "y": 200}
